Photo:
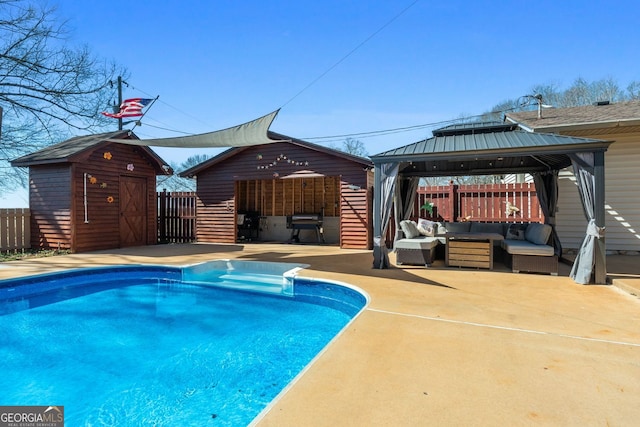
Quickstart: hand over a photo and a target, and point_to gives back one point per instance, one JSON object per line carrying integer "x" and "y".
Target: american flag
{"x": 130, "y": 108}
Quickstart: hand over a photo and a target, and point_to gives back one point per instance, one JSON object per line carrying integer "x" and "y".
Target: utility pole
{"x": 116, "y": 108}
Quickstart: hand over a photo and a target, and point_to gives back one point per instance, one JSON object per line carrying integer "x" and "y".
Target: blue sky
{"x": 220, "y": 63}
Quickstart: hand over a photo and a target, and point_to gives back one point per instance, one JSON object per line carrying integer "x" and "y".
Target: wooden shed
{"x": 88, "y": 193}
{"x": 273, "y": 182}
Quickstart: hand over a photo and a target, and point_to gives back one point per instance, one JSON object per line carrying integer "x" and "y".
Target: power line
{"x": 368, "y": 134}
{"x": 383, "y": 132}
{"x": 167, "y": 129}
{"x": 351, "y": 52}
{"x": 173, "y": 108}
{"x": 375, "y": 133}
{"x": 341, "y": 60}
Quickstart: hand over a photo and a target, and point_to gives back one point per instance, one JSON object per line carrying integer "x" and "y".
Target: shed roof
{"x": 487, "y": 148}
{"x": 276, "y": 137}
{"x": 71, "y": 151}
{"x": 599, "y": 115}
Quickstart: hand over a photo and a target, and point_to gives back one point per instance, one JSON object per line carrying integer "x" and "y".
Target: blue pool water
{"x": 140, "y": 346}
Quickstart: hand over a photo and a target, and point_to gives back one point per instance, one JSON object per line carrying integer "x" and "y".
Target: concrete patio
{"x": 445, "y": 346}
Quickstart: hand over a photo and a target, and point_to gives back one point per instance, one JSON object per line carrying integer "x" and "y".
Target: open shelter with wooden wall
{"x": 88, "y": 193}
{"x": 281, "y": 179}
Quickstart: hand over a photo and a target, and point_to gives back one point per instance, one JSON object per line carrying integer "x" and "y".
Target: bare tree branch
{"x": 48, "y": 88}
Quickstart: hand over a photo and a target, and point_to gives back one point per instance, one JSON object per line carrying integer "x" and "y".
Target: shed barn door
{"x": 133, "y": 211}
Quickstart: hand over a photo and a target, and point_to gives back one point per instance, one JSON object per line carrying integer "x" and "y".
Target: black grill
{"x": 299, "y": 222}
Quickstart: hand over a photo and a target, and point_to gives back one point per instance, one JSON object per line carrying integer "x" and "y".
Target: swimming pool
{"x": 165, "y": 346}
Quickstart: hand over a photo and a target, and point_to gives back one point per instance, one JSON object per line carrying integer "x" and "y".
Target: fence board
{"x": 477, "y": 202}
{"x": 481, "y": 202}
{"x": 15, "y": 229}
{"x": 176, "y": 217}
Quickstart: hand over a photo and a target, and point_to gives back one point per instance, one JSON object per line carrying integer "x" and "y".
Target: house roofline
{"x": 531, "y": 127}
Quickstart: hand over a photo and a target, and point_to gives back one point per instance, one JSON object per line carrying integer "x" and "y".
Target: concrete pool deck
{"x": 445, "y": 346}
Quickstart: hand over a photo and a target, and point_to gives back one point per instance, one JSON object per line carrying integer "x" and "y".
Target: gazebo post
{"x": 601, "y": 247}
{"x": 377, "y": 217}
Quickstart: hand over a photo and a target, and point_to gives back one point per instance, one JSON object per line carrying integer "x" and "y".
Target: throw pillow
{"x": 426, "y": 227}
{"x": 409, "y": 228}
{"x": 538, "y": 233}
{"x": 516, "y": 231}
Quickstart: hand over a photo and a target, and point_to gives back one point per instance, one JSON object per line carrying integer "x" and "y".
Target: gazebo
{"x": 496, "y": 148}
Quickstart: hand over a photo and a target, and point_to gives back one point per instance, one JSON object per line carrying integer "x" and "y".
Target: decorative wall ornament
{"x": 280, "y": 159}
{"x": 107, "y": 155}
{"x": 110, "y": 199}
{"x": 92, "y": 179}
{"x": 103, "y": 185}
{"x": 130, "y": 167}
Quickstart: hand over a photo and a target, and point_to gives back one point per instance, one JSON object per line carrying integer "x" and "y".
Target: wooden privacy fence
{"x": 15, "y": 231}
{"x": 478, "y": 202}
{"x": 176, "y": 217}
{"x": 177, "y": 211}
{"x": 481, "y": 202}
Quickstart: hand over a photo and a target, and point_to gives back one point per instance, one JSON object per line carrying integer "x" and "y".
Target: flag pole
{"x": 145, "y": 112}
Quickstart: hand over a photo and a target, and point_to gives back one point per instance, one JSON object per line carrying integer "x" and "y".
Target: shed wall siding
{"x": 215, "y": 207}
{"x": 264, "y": 164}
{"x": 356, "y": 221}
{"x": 622, "y": 177}
{"x": 50, "y": 204}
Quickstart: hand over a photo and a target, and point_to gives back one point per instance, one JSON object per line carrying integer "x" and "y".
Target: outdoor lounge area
{"x": 523, "y": 247}
{"x": 444, "y": 346}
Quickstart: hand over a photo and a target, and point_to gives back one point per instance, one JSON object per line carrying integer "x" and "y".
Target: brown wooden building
{"x": 87, "y": 193}
{"x": 281, "y": 179}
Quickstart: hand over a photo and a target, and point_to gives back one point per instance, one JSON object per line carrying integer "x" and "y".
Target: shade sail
{"x": 246, "y": 134}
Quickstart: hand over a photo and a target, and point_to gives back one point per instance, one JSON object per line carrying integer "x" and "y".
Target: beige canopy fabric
{"x": 250, "y": 133}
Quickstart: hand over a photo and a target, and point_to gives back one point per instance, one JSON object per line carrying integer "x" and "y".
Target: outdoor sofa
{"x": 525, "y": 246}
{"x": 530, "y": 251}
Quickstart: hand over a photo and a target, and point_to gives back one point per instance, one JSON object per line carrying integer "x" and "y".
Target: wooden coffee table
{"x": 470, "y": 249}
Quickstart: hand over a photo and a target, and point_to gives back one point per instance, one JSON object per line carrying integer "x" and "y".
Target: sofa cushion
{"x": 538, "y": 233}
{"x": 426, "y": 227}
{"x": 487, "y": 227}
{"x": 516, "y": 231}
{"x": 409, "y": 228}
{"x": 422, "y": 243}
{"x": 524, "y": 247}
{"x": 457, "y": 227}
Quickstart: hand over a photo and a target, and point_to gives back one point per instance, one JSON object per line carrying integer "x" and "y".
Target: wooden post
{"x": 453, "y": 201}
{"x": 162, "y": 216}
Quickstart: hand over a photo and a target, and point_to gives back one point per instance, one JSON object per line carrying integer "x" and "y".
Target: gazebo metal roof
{"x": 487, "y": 148}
